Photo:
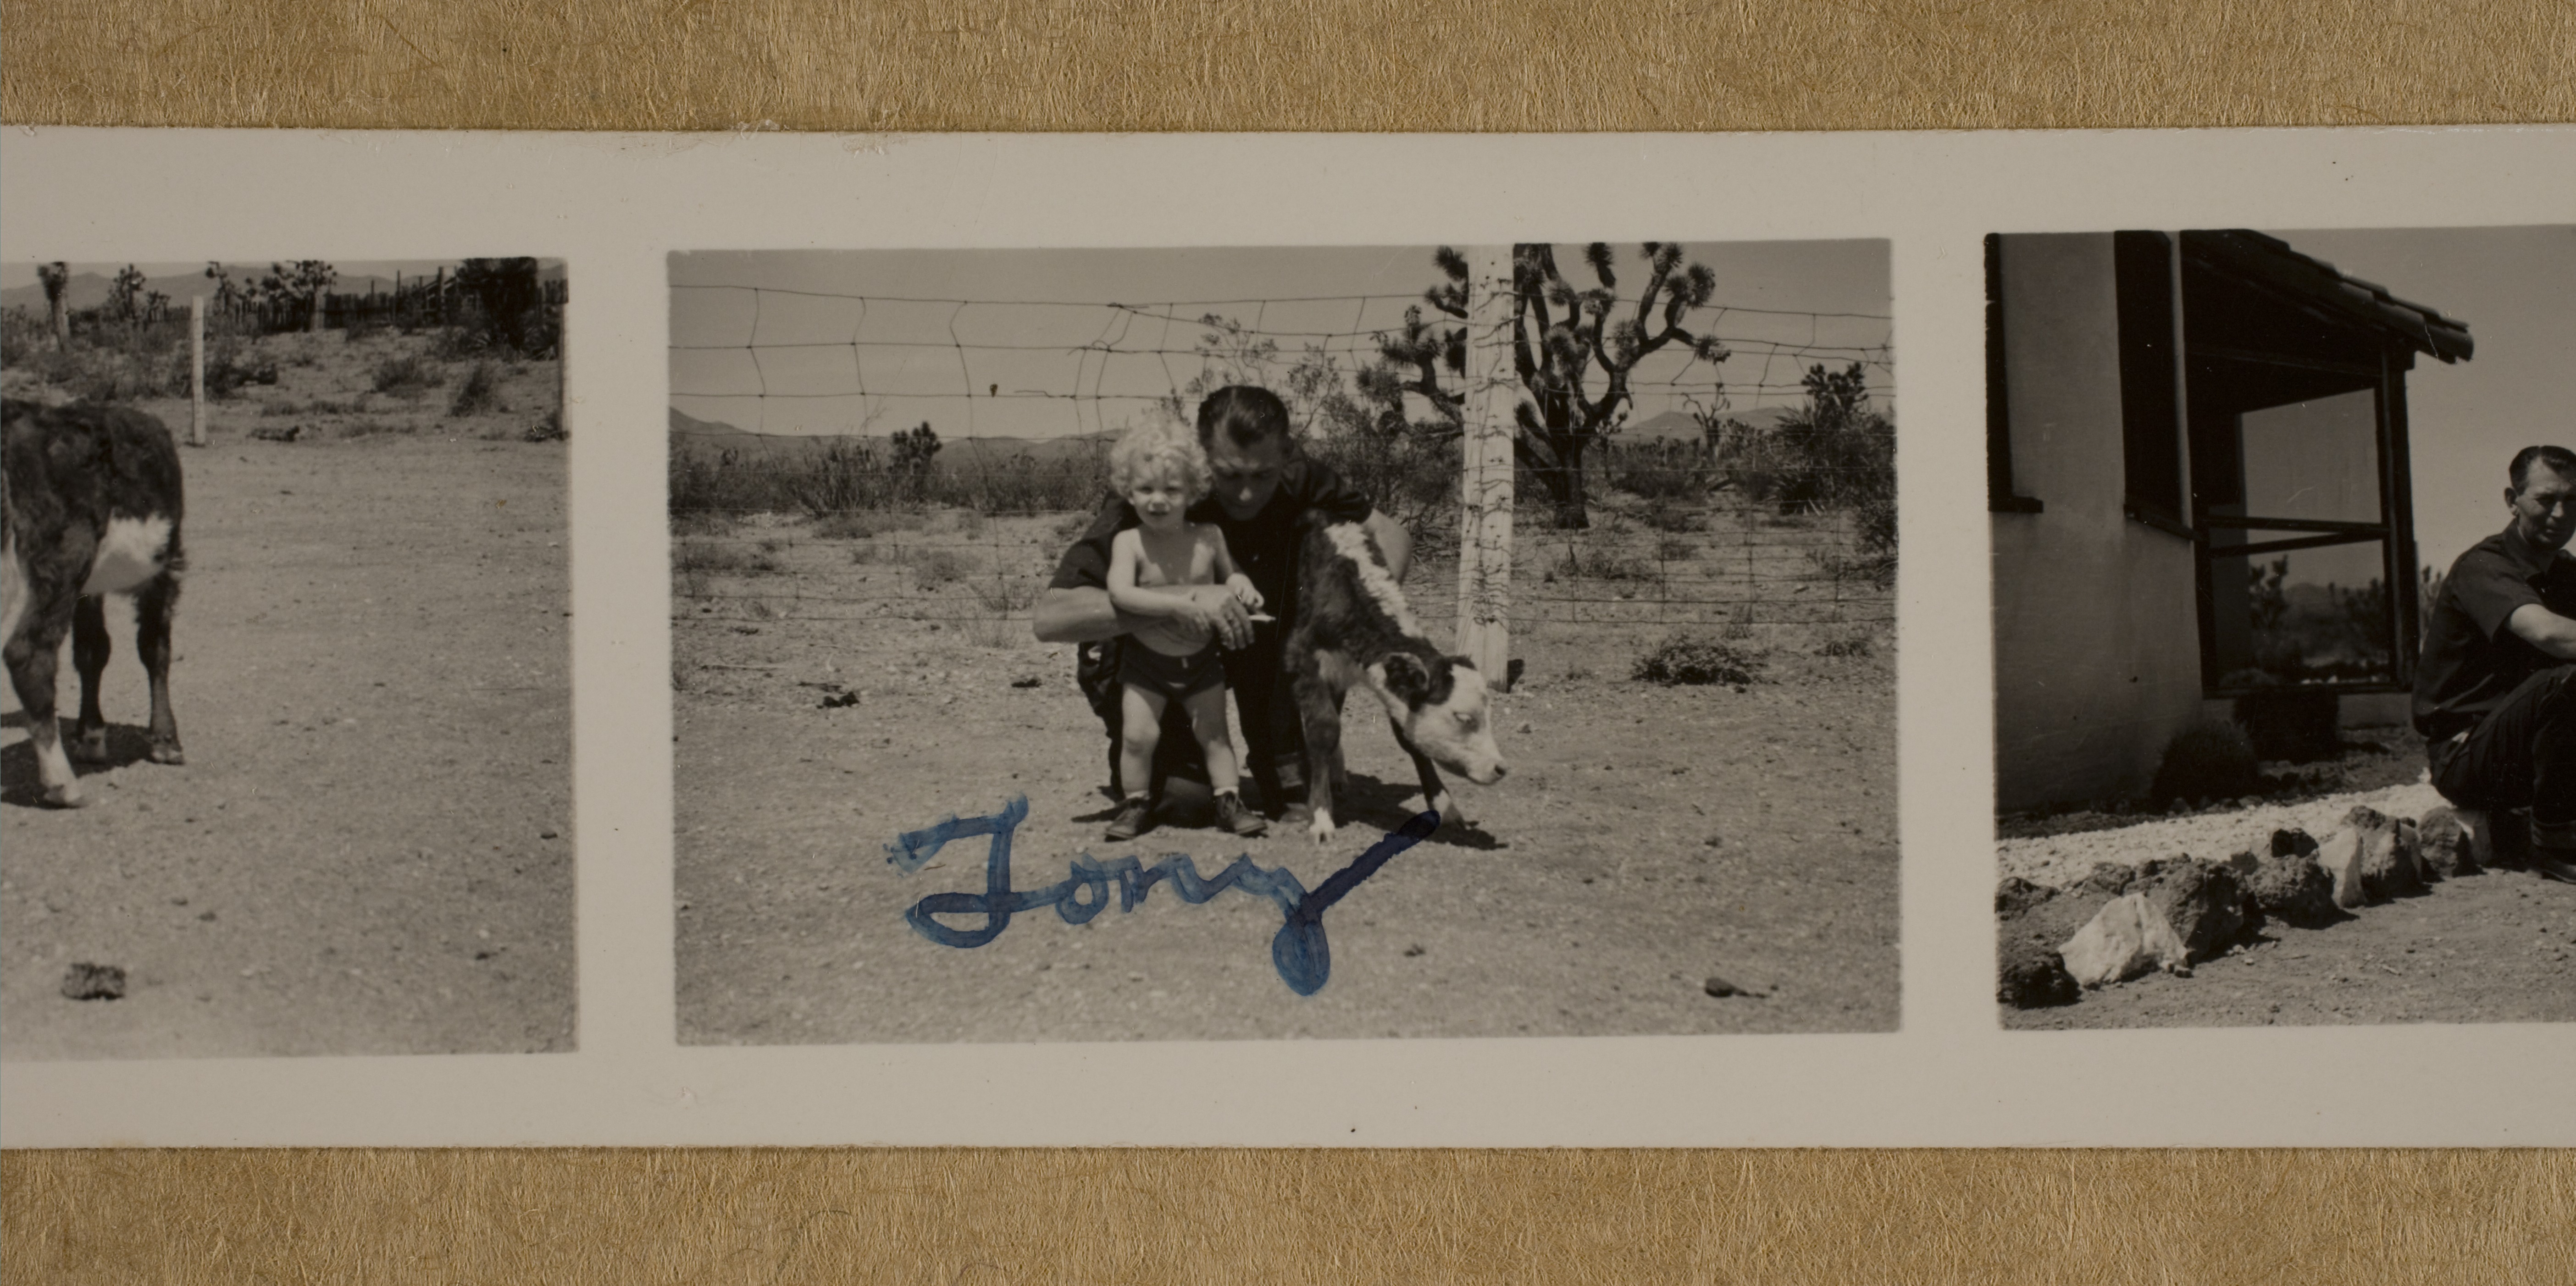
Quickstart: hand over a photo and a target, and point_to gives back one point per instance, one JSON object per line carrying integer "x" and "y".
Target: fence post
{"x": 1485, "y": 473}
{"x": 196, "y": 370}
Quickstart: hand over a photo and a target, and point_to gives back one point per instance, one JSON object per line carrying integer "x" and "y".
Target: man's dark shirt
{"x": 2471, "y": 660}
{"x": 1264, "y": 546}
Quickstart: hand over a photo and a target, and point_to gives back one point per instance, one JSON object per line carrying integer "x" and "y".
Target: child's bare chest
{"x": 1180, "y": 559}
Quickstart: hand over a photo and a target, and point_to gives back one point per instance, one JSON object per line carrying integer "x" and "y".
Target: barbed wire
{"x": 1716, "y": 548}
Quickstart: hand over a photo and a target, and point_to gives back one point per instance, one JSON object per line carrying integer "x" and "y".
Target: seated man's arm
{"x": 1084, "y": 614}
{"x": 2544, "y": 629}
{"x": 1394, "y": 540}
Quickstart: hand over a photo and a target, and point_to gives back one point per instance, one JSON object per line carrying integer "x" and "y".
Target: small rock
{"x": 1414, "y": 950}
{"x": 841, "y": 702}
{"x": 2387, "y": 868}
{"x": 2340, "y": 855}
{"x": 2292, "y": 888}
{"x": 2109, "y": 879}
{"x": 1026, "y": 681}
{"x": 93, "y": 982}
{"x": 1721, "y": 988}
{"x": 2016, "y": 896}
{"x": 2127, "y": 937}
{"x": 2203, "y": 902}
{"x": 2443, "y": 845}
{"x": 2033, "y": 976}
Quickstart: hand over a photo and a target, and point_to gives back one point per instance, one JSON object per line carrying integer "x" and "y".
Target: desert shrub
{"x": 1000, "y": 594}
{"x": 933, "y": 568}
{"x": 1854, "y": 644}
{"x": 409, "y": 375}
{"x": 478, "y": 392}
{"x": 1667, "y": 516}
{"x": 548, "y": 429}
{"x": 231, "y": 365}
{"x": 707, "y": 556}
{"x": 2209, "y": 760}
{"x": 1673, "y": 549}
{"x": 1683, "y": 660}
{"x": 368, "y": 426}
{"x": 1580, "y": 563}
{"x": 1832, "y": 453}
{"x": 23, "y": 335}
{"x": 1657, "y": 471}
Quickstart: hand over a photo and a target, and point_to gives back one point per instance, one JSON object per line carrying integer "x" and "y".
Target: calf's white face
{"x": 1444, "y": 712}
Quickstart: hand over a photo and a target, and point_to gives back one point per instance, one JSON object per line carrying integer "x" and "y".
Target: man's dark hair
{"x": 1246, "y": 414}
{"x": 2559, "y": 459}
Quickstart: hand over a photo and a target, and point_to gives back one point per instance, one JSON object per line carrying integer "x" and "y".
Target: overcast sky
{"x": 2516, "y": 289}
{"x": 1035, "y": 343}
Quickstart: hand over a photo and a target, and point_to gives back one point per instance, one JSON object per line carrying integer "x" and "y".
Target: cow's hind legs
{"x": 153, "y": 608}
{"x": 91, "y": 648}
{"x": 1319, "y": 708}
{"x": 31, "y": 658}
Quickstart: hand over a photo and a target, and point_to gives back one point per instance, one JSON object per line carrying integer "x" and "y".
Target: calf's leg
{"x": 1435, "y": 795}
{"x": 32, "y": 656}
{"x": 91, "y": 648}
{"x": 153, "y": 607}
{"x": 1319, "y": 708}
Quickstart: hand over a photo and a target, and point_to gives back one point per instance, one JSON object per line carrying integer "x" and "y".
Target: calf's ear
{"x": 1406, "y": 677}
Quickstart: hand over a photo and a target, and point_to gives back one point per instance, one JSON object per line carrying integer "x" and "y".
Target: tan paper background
{"x": 1011, "y": 1215}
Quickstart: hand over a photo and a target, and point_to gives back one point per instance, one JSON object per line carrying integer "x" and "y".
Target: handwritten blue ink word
{"x": 1299, "y": 951}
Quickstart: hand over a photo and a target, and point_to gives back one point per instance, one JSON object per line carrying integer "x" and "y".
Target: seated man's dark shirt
{"x": 2471, "y": 660}
{"x": 1264, "y": 546}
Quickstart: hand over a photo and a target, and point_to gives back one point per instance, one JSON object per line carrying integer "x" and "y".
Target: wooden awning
{"x": 2268, "y": 264}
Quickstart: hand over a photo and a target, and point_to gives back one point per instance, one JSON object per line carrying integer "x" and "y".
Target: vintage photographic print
{"x": 1082, "y": 645}
{"x": 2283, "y": 625}
{"x": 303, "y": 787}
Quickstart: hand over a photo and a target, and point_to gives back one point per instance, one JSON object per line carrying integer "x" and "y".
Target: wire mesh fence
{"x": 856, "y": 458}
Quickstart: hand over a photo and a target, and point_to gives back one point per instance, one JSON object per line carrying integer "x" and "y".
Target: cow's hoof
{"x": 66, "y": 796}
{"x": 88, "y": 747}
{"x": 1452, "y": 813}
{"x": 1321, "y": 828}
{"x": 168, "y": 753}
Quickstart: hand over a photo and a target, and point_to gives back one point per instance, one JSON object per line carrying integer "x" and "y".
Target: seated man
{"x": 1263, "y": 486}
{"x": 2495, "y": 696}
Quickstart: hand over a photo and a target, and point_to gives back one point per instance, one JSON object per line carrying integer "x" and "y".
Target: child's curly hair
{"x": 1150, "y": 451}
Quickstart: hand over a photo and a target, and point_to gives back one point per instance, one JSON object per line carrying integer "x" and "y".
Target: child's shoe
{"x": 1232, "y": 815}
{"x": 1133, "y": 816}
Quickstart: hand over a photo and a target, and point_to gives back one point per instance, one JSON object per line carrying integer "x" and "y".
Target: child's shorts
{"x": 1173, "y": 678}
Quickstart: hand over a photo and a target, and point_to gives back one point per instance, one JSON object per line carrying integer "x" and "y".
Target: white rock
{"x": 2341, "y": 856}
{"x": 2127, "y": 937}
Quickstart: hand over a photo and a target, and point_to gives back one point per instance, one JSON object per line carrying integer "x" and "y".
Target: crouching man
{"x": 1262, "y": 487}
{"x": 2495, "y": 696}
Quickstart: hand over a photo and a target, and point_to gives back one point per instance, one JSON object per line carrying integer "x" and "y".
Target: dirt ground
{"x": 369, "y": 850}
{"x": 2493, "y": 947}
{"x": 1648, "y": 838}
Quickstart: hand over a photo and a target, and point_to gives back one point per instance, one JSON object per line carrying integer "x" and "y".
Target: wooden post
{"x": 1485, "y": 473}
{"x": 196, "y": 370}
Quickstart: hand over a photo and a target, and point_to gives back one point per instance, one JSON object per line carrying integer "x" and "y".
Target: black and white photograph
{"x": 2283, "y": 625}
{"x": 288, "y": 740}
{"x": 1409, "y": 641}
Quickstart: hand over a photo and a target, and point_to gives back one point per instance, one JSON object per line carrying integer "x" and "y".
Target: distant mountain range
{"x": 952, "y": 451}
{"x": 90, "y": 289}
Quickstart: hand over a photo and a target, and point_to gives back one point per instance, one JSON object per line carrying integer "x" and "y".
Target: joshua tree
{"x": 1561, "y": 335}
{"x": 305, "y": 280}
{"x": 56, "y": 276}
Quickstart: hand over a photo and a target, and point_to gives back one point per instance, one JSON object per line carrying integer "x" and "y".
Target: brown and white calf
{"x": 1353, "y": 629}
{"x": 91, "y": 500}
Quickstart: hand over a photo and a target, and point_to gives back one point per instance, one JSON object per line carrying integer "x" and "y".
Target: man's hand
{"x": 1220, "y": 610}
